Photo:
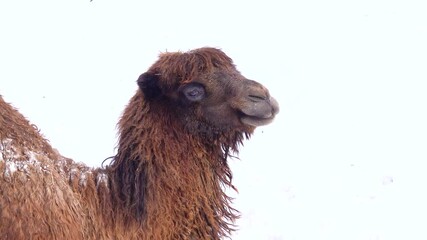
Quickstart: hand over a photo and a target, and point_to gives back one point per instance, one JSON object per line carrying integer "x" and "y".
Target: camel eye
{"x": 194, "y": 92}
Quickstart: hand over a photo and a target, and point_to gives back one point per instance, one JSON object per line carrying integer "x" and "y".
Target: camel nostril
{"x": 257, "y": 98}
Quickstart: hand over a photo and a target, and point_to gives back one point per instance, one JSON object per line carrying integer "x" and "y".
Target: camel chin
{"x": 256, "y": 121}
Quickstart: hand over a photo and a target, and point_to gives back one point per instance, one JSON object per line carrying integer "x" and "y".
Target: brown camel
{"x": 166, "y": 181}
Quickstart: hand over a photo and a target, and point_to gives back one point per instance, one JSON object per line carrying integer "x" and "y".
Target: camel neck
{"x": 166, "y": 178}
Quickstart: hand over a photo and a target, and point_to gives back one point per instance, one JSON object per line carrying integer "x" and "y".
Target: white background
{"x": 345, "y": 158}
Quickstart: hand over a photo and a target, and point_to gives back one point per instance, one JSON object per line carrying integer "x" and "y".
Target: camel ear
{"x": 148, "y": 83}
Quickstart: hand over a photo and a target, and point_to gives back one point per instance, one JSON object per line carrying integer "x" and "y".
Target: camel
{"x": 190, "y": 114}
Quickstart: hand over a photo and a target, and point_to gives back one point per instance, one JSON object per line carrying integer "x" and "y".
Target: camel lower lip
{"x": 256, "y": 121}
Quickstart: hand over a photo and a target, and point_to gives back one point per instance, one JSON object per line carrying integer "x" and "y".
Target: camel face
{"x": 207, "y": 92}
{"x": 225, "y": 99}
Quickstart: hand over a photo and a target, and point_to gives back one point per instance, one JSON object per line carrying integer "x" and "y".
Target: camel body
{"x": 191, "y": 111}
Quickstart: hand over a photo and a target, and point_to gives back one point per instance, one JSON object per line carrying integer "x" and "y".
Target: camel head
{"x": 191, "y": 112}
{"x": 207, "y": 92}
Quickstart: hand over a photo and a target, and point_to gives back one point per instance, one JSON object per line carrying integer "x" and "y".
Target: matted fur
{"x": 175, "y": 68}
{"x": 186, "y": 173}
{"x": 166, "y": 181}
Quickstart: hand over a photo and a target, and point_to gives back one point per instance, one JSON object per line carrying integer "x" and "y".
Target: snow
{"x": 11, "y": 167}
{"x": 101, "y": 178}
{"x": 80, "y": 174}
{"x": 345, "y": 158}
{"x": 12, "y": 164}
{"x": 83, "y": 178}
{"x": 16, "y": 162}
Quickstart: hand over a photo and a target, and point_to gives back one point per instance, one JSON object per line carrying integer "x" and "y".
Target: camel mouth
{"x": 260, "y": 115}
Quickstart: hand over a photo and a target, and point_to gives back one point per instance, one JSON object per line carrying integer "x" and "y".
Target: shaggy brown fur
{"x": 167, "y": 179}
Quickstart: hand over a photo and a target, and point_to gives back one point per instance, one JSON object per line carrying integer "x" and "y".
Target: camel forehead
{"x": 205, "y": 51}
{"x": 182, "y": 67}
